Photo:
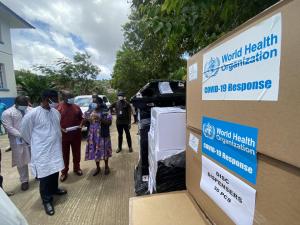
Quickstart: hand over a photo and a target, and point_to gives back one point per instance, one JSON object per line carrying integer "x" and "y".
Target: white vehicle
{"x": 83, "y": 101}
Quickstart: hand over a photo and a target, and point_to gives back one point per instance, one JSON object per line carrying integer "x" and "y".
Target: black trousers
{"x": 48, "y": 187}
{"x": 120, "y": 128}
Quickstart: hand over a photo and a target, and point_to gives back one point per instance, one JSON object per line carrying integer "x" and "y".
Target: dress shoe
{"x": 63, "y": 177}
{"x": 9, "y": 193}
{"x": 106, "y": 171}
{"x": 25, "y": 186}
{"x": 118, "y": 150}
{"x": 130, "y": 150}
{"x": 78, "y": 172}
{"x": 61, "y": 191}
{"x": 97, "y": 171}
{"x": 49, "y": 209}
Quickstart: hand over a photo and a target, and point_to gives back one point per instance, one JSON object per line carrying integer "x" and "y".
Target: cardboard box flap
{"x": 175, "y": 208}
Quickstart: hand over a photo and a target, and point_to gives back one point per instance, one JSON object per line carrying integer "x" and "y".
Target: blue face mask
{"x": 71, "y": 101}
{"x": 93, "y": 105}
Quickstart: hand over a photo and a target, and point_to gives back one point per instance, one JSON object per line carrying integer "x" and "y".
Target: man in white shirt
{"x": 41, "y": 128}
{"x": 11, "y": 120}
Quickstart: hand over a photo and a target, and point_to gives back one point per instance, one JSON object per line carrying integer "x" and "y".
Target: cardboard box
{"x": 168, "y": 128}
{"x": 176, "y": 208}
{"x": 277, "y": 189}
{"x": 278, "y": 120}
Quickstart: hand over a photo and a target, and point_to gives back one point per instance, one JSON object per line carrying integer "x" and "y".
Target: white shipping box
{"x": 153, "y": 157}
{"x": 168, "y": 128}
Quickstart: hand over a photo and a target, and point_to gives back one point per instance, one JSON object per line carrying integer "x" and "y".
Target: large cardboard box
{"x": 277, "y": 189}
{"x": 274, "y": 111}
{"x": 175, "y": 208}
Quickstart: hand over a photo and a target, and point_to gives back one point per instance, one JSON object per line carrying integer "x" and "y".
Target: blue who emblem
{"x": 209, "y": 131}
{"x": 211, "y": 67}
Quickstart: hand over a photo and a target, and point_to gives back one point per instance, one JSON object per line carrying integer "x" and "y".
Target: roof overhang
{"x": 12, "y": 19}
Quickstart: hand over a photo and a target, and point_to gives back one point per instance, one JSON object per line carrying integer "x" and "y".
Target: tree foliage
{"x": 160, "y": 32}
{"x": 32, "y": 85}
{"x": 77, "y": 75}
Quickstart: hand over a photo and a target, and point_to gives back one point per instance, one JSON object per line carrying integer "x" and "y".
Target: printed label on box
{"x": 247, "y": 66}
{"x": 232, "y": 145}
{"x": 194, "y": 142}
{"x": 193, "y": 72}
{"x": 232, "y": 195}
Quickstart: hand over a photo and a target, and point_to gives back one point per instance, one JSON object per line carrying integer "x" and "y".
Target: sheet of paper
{"x": 164, "y": 88}
{"x": 246, "y": 67}
{"x": 19, "y": 141}
{"x": 194, "y": 142}
{"x": 193, "y": 72}
{"x": 72, "y": 128}
{"x": 232, "y": 195}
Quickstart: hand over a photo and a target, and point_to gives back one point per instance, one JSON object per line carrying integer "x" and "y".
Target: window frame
{"x": 1, "y": 34}
{"x": 2, "y": 77}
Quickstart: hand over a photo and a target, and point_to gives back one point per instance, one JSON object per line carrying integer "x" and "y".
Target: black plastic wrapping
{"x": 144, "y": 149}
{"x": 149, "y": 96}
{"x": 170, "y": 174}
{"x": 140, "y": 186}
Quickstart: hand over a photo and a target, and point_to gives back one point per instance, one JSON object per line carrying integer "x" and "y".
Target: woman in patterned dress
{"x": 98, "y": 143}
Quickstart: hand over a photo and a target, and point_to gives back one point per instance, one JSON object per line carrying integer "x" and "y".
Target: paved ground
{"x": 101, "y": 200}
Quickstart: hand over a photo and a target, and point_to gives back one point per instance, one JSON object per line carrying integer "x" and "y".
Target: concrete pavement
{"x": 100, "y": 200}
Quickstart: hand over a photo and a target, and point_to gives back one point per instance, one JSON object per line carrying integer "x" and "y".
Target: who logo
{"x": 209, "y": 131}
{"x": 212, "y": 67}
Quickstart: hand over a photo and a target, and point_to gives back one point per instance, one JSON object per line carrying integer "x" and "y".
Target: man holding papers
{"x": 11, "y": 120}
{"x": 71, "y": 117}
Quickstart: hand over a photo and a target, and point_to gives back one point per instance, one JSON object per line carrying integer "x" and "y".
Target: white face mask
{"x": 71, "y": 100}
{"x": 22, "y": 108}
{"x": 120, "y": 98}
{"x": 52, "y": 104}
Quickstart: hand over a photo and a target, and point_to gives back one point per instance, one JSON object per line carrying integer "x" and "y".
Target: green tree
{"x": 77, "y": 75}
{"x": 32, "y": 84}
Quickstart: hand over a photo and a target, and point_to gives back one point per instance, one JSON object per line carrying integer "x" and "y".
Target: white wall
{"x": 7, "y": 59}
{"x": 5, "y": 33}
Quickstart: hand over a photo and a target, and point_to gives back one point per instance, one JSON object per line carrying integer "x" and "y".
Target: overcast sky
{"x": 64, "y": 27}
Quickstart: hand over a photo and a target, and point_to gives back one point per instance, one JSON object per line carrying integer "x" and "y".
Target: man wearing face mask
{"x": 41, "y": 128}
{"x": 71, "y": 116}
{"x": 123, "y": 113}
{"x": 11, "y": 119}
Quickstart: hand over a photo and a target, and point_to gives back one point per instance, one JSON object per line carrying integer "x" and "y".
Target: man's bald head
{"x": 21, "y": 101}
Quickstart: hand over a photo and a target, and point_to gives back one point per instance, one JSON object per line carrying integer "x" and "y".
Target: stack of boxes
{"x": 166, "y": 138}
{"x": 243, "y": 110}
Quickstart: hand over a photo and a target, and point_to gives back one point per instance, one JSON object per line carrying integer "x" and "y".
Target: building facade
{"x": 8, "y": 20}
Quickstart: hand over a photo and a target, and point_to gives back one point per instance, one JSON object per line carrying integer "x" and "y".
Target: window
{"x": 2, "y": 76}
{"x": 83, "y": 102}
{"x": 1, "y": 35}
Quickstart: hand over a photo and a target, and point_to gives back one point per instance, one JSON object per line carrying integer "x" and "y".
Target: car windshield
{"x": 83, "y": 102}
